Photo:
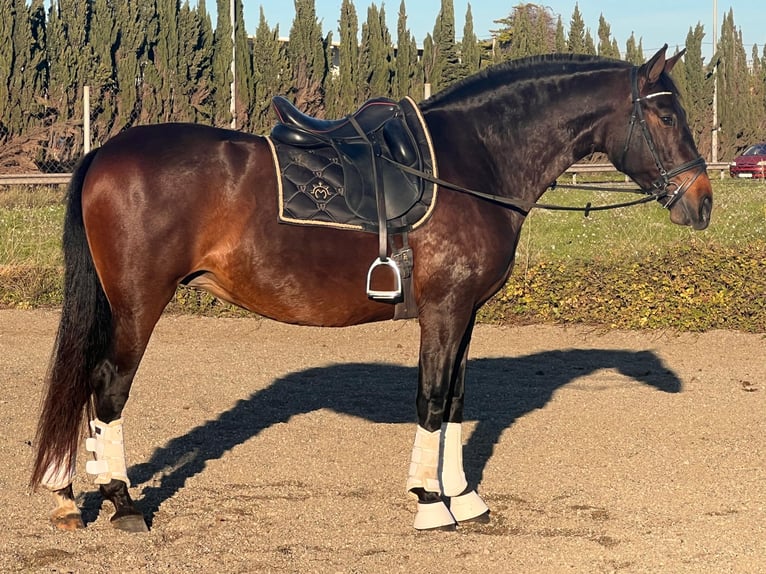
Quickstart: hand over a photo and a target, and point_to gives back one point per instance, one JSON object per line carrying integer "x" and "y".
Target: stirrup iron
{"x": 385, "y": 296}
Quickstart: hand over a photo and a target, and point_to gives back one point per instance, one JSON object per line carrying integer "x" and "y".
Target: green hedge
{"x": 687, "y": 288}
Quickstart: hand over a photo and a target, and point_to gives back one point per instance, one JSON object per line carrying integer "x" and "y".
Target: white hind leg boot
{"x": 109, "y": 448}
{"x": 463, "y": 505}
{"x": 424, "y": 473}
{"x": 58, "y": 476}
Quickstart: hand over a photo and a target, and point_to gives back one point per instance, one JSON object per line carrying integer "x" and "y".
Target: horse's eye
{"x": 669, "y": 121}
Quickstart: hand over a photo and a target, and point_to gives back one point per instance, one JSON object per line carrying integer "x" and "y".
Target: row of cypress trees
{"x": 163, "y": 60}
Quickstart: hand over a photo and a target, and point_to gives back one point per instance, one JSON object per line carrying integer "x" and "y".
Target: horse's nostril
{"x": 706, "y": 207}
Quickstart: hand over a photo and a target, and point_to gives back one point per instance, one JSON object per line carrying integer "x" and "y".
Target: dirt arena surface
{"x": 259, "y": 447}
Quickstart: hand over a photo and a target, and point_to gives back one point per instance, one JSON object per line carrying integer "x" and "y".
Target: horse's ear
{"x": 651, "y": 70}
{"x": 670, "y": 62}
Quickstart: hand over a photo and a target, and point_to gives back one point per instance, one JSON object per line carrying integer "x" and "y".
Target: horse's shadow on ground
{"x": 498, "y": 391}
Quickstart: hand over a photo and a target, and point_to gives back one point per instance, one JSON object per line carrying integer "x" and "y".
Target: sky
{"x": 654, "y": 22}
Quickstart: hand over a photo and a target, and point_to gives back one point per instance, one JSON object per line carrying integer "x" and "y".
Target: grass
{"x": 739, "y": 216}
{"x": 31, "y": 219}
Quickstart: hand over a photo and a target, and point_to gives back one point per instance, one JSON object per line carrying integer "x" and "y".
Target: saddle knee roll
{"x": 108, "y": 446}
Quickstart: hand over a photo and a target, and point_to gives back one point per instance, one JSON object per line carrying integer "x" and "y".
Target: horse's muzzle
{"x": 694, "y": 206}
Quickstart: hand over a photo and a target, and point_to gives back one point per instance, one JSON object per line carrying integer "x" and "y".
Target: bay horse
{"x": 164, "y": 205}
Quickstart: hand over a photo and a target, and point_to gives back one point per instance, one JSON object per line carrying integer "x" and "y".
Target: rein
{"x": 524, "y": 206}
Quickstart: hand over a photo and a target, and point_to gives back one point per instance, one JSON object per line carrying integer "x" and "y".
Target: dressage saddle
{"x": 357, "y": 144}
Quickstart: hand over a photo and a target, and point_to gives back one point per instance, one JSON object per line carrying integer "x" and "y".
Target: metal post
{"x": 233, "y": 103}
{"x": 86, "y": 119}
{"x": 714, "y": 151}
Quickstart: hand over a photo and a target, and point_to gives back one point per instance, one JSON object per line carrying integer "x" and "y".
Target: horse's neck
{"x": 526, "y": 143}
{"x": 555, "y": 134}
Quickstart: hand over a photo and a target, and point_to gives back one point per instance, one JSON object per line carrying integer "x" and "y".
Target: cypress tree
{"x": 269, "y": 66}
{"x": 17, "y": 71}
{"x": 735, "y": 102}
{"x": 153, "y": 106}
{"x": 403, "y": 64}
{"x": 446, "y": 63}
{"x": 38, "y": 63}
{"x": 606, "y": 47}
{"x": 244, "y": 69}
{"x": 762, "y": 78}
{"x": 529, "y": 30}
{"x": 576, "y": 39}
{"x": 68, "y": 55}
{"x": 470, "y": 52}
{"x": 696, "y": 85}
{"x": 376, "y": 55}
{"x": 166, "y": 59}
{"x": 560, "y": 40}
{"x": 343, "y": 87}
{"x": 7, "y": 23}
{"x": 196, "y": 31}
{"x": 306, "y": 55}
{"x": 407, "y": 77}
{"x": 417, "y": 86}
{"x": 101, "y": 72}
{"x": 427, "y": 61}
{"x": 221, "y": 72}
{"x": 128, "y": 57}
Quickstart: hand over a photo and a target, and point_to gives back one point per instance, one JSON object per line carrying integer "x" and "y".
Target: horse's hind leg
{"x": 112, "y": 382}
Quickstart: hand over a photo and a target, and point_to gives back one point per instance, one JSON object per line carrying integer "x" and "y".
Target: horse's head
{"x": 658, "y": 151}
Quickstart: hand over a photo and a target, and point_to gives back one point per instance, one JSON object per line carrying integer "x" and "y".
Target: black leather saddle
{"x": 334, "y": 172}
{"x": 299, "y": 129}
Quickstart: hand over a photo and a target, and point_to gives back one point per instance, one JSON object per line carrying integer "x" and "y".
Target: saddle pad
{"x": 311, "y": 184}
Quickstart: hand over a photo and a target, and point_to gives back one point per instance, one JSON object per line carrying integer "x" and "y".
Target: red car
{"x": 752, "y": 163}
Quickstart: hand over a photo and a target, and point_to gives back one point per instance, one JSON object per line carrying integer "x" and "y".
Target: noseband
{"x": 662, "y": 187}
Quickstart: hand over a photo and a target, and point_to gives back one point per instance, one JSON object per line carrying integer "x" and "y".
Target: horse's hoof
{"x": 130, "y": 523}
{"x": 481, "y": 519}
{"x": 434, "y": 516}
{"x": 68, "y": 522}
{"x": 469, "y": 507}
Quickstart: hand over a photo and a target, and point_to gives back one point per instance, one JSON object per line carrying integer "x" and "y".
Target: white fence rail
{"x": 63, "y": 178}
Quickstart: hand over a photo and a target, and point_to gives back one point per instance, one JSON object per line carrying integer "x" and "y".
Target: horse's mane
{"x": 510, "y": 71}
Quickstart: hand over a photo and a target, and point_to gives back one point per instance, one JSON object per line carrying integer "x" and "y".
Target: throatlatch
{"x": 109, "y": 448}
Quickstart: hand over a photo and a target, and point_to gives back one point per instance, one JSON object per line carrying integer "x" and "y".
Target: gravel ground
{"x": 260, "y": 447}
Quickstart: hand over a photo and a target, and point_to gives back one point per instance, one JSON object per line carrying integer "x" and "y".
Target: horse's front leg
{"x": 436, "y": 467}
{"x": 465, "y": 504}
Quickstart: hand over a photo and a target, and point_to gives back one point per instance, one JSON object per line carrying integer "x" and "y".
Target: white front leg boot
{"x": 464, "y": 506}
{"x": 424, "y": 473}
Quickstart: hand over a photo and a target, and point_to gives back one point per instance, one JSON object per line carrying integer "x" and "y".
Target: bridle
{"x": 663, "y": 188}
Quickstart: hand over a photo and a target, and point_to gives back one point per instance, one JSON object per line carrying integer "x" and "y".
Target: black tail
{"x": 82, "y": 341}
